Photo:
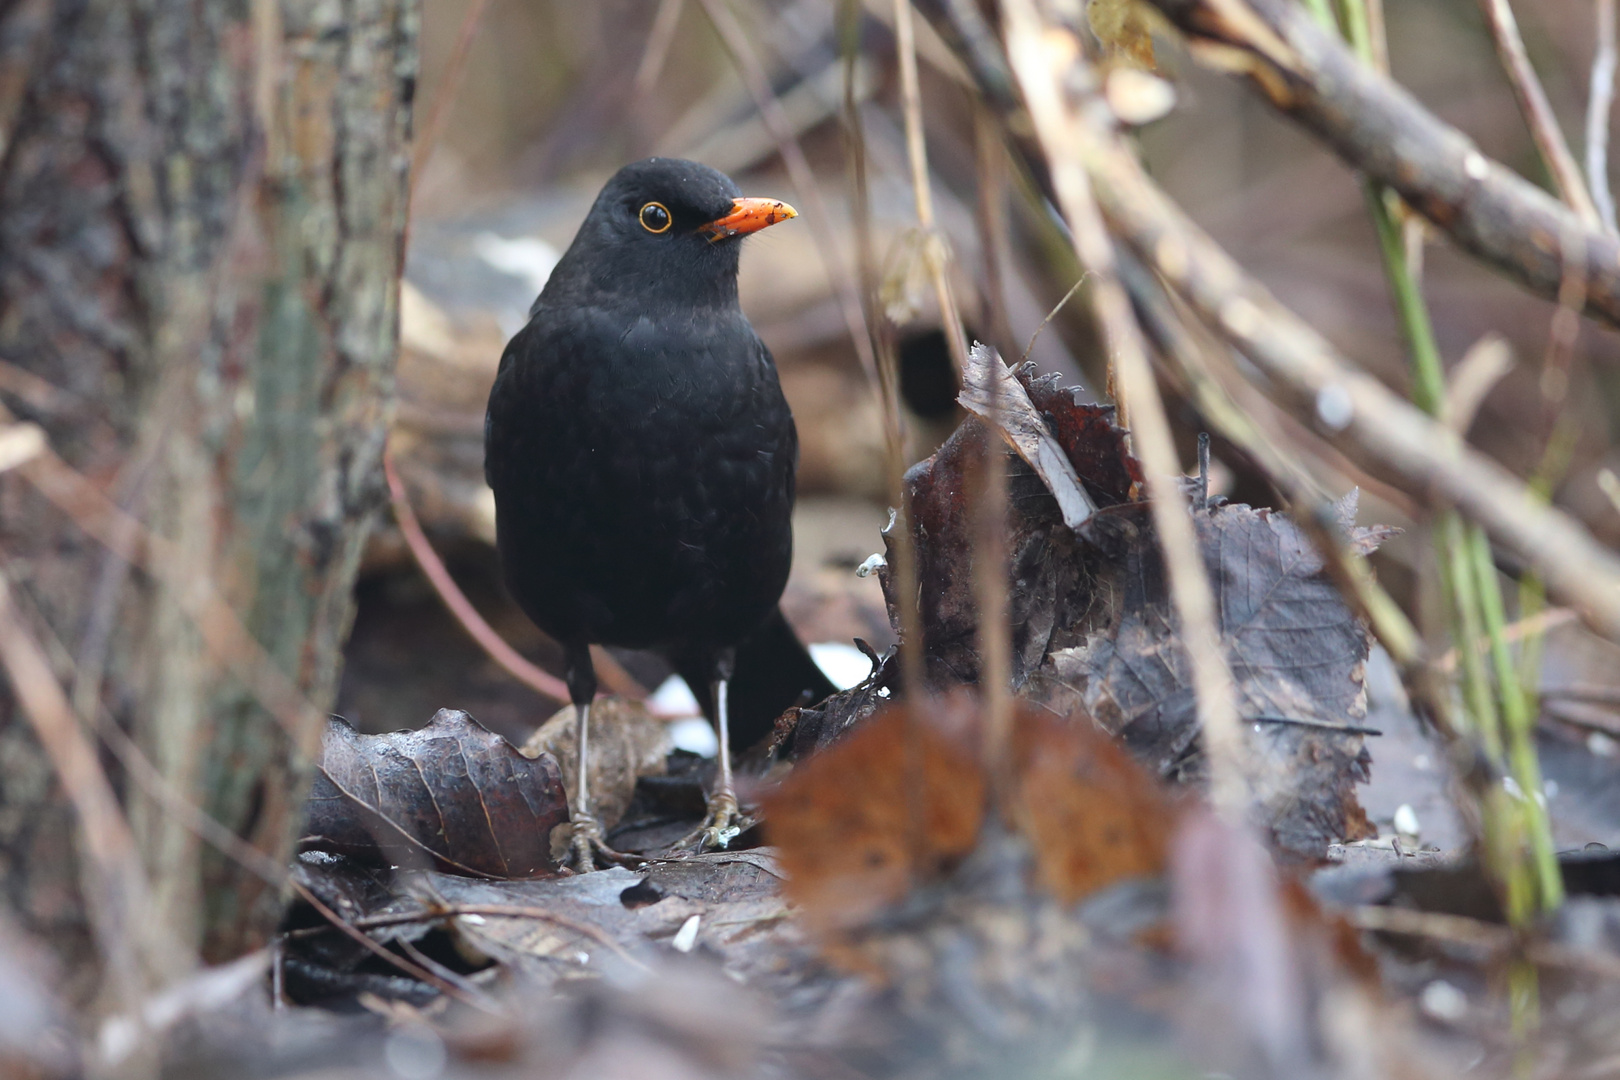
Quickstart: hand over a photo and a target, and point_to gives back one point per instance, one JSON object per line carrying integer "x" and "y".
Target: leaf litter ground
{"x": 1074, "y": 911}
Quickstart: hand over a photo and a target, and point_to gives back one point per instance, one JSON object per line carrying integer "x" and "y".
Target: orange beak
{"x": 748, "y": 216}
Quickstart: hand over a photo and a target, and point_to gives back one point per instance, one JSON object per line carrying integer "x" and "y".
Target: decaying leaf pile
{"x": 1094, "y": 633}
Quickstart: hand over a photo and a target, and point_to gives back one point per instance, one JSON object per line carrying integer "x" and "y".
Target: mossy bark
{"x": 202, "y": 212}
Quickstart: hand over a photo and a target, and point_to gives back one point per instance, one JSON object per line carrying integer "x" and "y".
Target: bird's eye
{"x": 655, "y": 218}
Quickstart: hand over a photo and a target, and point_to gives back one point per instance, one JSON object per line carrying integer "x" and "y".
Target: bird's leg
{"x": 724, "y": 821}
{"x": 587, "y": 841}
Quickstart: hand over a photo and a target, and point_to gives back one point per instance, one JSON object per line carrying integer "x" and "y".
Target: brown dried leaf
{"x": 852, "y": 845}
{"x": 1051, "y": 604}
{"x": 1297, "y": 655}
{"x": 894, "y": 802}
{"x": 627, "y": 743}
{"x": 801, "y": 732}
{"x": 1097, "y": 446}
{"x": 996, "y": 395}
{"x": 1097, "y": 606}
{"x": 1092, "y": 815}
{"x": 452, "y": 792}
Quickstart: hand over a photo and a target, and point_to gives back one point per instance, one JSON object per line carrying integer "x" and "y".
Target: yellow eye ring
{"x": 655, "y": 218}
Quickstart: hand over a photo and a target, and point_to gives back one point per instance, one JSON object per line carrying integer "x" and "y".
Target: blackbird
{"x": 642, "y": 458}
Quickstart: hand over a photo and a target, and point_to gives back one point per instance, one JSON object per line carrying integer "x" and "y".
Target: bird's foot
{"x": 724, "y": 822}
{"x": 586, "y": 845}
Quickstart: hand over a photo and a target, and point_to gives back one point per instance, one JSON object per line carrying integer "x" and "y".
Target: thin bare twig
{"x": 935, "y": 254}
{"x": 449, "y": 83}
{"x": 990, "y": 506}
{"x": 414, "y": 970}
{"x": 1488, "y": 937}
{"x": 800, "y": 174}
{"x": 1378, "y": 127}
{"x": 1034, "y": 50}
{"x": 221, "y": 631}
{"x": 157, "y": 787}
{"x": 659, "y": 39}
{"x": 611, "y": 672}
{"x": 115, "y": 886}
{"x": 38, "y": 393}
{"x": 1380, "y": 39}
{"x": 1600, "y": 97}
{"x": 1538, "y": 113}
{"x": 1315, "y": 381}
{"x": 433, "y": 568}
{"x": 991, "y": 595}
{"x": 1050, "y": 315}
{"x": 990, "y": 221}
{"x": 903, "y": 565}
{"x": 1537, "y": 624}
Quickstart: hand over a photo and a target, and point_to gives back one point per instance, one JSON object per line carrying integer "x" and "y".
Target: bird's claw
{"x": 723, "y": 824}
{"x": 586, "y": 844}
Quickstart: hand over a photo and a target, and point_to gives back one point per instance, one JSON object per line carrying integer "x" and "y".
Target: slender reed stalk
{"x": 1518, "y": 833}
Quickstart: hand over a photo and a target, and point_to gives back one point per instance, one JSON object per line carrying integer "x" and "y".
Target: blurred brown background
{"x": 556, "y": 95}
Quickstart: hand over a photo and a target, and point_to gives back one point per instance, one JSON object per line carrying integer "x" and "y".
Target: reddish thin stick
{"x": 1538, "y": 113}
{"x": 543, "y": 683}
{"x": 439, "y": 111}
{"x": 612, "y": 673}
{"x": 414, "y": 970}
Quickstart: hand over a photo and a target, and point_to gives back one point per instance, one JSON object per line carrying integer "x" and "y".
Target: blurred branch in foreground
{"x": 1380, "y": 128}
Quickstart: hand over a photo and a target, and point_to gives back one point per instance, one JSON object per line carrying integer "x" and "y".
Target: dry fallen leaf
{"x": 894, "y": 802}
{"x": 1097, "y": 447}
{"x": 996, "y": 395}
{"x": 852, "y": 844}
{"x": 1092, "y": 815}
{"x": 1297, "y": 654}
{"x": 452, "y": 793}
{"x": 1051, "y": 603}
{"x": 627, "y": 743}
{"x": 1093, "y": 629}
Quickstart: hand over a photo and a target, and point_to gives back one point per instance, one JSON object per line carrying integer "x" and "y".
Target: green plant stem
{"x": 1428, "y": 372}
{"x": 1357, "y": 28}
{"x": 1468, "y": 627}
{"x": 1323, "y": 14}
{"x": 1503, "y": 721}
{"x": 1519, "y": 722}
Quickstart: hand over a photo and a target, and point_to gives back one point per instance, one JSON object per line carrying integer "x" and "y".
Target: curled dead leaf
{"x": 453, "y": 794}
{"x": 1296, "y": 651}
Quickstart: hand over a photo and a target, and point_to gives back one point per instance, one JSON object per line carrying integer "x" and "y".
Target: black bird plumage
{"x": 640, "y": 449}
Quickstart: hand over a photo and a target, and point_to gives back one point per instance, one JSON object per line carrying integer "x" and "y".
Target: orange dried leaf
{"x": 1092, "y": 815}
{"x": 895, "y": 802}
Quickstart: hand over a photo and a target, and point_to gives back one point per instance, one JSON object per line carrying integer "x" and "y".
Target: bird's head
{"x": 666, "y": 227}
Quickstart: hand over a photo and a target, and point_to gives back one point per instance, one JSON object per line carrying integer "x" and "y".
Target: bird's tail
{"x": 774, "y": 672}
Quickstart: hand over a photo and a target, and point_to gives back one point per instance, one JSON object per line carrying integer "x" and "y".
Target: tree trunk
{"x": 202, "y": 211}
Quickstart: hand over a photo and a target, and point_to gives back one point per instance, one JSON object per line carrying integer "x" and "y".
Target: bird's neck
{"x": 644, "y": 285}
